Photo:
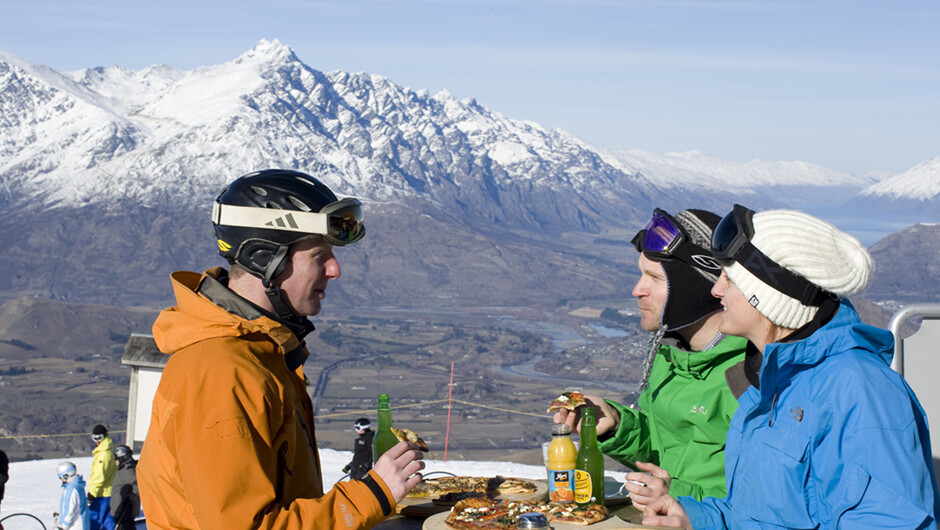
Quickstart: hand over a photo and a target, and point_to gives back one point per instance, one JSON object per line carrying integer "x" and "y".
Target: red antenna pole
{"x": 450, "y": 400}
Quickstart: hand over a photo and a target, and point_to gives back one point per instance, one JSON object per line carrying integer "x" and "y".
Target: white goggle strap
{"x": 287, "y": 220}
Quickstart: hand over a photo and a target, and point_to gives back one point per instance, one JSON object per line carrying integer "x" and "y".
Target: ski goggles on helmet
{"x": 731, "y": 242}
{"x": 663, "y": 238}
{"x": 340, "y": 223}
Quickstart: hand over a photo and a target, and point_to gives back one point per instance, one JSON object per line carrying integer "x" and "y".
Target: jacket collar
{"x": 698, "y": 364}
{"x": 214, "y": 286}
{"x": 843, "y": 333}
{"x": 195, "y": 318}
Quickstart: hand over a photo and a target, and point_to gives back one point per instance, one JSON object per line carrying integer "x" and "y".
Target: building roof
{"x": 141, "y": 350}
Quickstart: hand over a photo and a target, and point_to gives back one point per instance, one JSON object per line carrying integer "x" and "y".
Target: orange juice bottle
{"x": 560, "y": 463}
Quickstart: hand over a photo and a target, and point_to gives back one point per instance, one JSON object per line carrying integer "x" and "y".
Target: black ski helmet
{"x": 259, "y": 240}
{"x": 122, "y": 453}
{"x": 260, "y": 215}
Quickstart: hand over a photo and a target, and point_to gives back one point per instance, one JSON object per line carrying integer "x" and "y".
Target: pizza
{"x": 489, "y": 514}
{"x": 567, "y": 400}
{"x": 407, "y": 435}
{"x": 452, "y": 489}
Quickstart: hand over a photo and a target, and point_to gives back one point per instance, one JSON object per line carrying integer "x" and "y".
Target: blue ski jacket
{"x": 73, "y": 506}
{"x": 832, "y": 439}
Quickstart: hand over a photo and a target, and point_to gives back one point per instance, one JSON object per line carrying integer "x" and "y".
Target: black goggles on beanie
{"x": 731, "y": 242}
{"x": 663, "y": 239}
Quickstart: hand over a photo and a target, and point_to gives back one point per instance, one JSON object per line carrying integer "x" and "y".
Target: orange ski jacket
{"x": 231, "y": 442}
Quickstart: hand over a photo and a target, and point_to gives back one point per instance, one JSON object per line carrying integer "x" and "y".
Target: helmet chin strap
{"x": 274, "y": 293}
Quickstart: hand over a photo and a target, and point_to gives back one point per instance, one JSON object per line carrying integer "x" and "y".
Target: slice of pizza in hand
{"x": 567, "y": 400}
{"x": 407, "y": 435}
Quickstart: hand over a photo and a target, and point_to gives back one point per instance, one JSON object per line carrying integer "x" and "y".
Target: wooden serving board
{"x": 425, "y": 507}
{"x": 436, "y": 522}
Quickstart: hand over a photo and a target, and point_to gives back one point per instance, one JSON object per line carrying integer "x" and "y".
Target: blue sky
{"x": 850, "y": 85}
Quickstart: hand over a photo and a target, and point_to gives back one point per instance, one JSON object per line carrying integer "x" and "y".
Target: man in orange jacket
{"x": 231, "y": 441}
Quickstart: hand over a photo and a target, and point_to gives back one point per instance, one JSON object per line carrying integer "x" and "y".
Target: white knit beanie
{"x": 809, "y": 247}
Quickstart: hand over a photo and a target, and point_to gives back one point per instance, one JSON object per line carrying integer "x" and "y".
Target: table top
{"x": 625, "y": 512}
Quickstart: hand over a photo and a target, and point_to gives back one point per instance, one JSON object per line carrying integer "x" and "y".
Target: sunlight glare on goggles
{"x": 660, "y": 233}
{"x": 660, "y": 237}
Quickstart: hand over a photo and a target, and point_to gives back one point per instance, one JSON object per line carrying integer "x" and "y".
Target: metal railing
{"x": 897, "y": 323}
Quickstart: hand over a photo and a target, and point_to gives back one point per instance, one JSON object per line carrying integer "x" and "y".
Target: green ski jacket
{"x": 683, "y": 418}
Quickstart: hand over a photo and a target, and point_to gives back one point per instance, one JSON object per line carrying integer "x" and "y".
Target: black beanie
{"x": 99, "y": 429}
{"x": 689, "y": 298}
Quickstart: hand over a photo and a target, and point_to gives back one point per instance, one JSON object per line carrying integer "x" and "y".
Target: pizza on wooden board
{"x": 489, "y": 514}
{"x": 567, "y": 400}
{"x": 455, "y": 488}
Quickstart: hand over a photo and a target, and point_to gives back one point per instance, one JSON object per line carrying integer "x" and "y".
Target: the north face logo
{"x": 283, "y": 221}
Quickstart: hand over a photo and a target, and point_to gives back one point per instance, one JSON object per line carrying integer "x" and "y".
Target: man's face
{"x": 311, "y": 265}
{"x": 650, "y": 292}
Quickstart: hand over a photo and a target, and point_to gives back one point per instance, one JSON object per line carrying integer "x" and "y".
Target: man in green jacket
{"x": 676, "y": 437}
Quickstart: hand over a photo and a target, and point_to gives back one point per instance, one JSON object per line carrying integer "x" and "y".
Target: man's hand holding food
{"x": 399, "y": 467}
{"x": 607, "y": 418}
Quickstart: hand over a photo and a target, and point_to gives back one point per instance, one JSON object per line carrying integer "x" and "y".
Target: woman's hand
{"x": 653, "y": 484}
{"x": 666, "y": 511}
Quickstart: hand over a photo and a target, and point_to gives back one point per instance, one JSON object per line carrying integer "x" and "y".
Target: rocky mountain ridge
{"x": 107, "y": 176}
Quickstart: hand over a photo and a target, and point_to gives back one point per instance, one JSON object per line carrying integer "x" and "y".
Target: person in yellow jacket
{"x": 103, "y": 470}
{"x": 231, "y": 442}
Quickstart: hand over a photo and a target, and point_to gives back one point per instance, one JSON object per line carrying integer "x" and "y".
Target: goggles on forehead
{"x": 97, "y": 437}
{"x": 731, "y": 242}
{"x": 340, "y": 223}
{"x": 663, "y": 238}
{"x": 660, "y": 237}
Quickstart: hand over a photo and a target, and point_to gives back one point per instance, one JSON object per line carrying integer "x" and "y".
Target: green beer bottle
{"x": 383, "y": 439}
{"x": 589, "y": 465}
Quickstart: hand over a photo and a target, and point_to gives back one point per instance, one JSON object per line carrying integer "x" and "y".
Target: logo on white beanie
{"x": 806, "y": 246}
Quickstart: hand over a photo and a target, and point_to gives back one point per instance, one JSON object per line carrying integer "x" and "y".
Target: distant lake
{"x": 562, "y": 336}
{"x": 608, "y": 333}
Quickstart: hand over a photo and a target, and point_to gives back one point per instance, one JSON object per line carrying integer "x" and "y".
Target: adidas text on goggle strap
{"x": 731, "y": 241}
{"x": 340, "y": 222}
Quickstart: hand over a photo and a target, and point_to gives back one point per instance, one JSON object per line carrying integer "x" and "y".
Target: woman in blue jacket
{"x": 826, "y": 434}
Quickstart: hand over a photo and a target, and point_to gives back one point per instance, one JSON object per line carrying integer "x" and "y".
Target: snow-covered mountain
{"x": 108, "y": 166}
{"x": 694, "y": 170}
{"x": 915, "y": 192}
{"x": 921, "y": 182}
{"x": 107, "y": 135}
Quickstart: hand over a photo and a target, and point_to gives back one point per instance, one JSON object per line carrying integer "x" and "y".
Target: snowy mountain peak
{"x": 921, "y": 182}
{"x": 111, "y": 134}
{"x": 268, "y": 52}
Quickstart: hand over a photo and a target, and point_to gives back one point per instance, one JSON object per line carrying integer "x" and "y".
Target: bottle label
{"x": 561, "y": 485}
{"x": 582, "y": 487}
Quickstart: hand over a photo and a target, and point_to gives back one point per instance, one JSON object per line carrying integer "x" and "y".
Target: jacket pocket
{"x": 865, "y": 499}
{"x": 775, "y": 492}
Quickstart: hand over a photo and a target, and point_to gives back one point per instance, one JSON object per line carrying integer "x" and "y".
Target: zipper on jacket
{"x": 770, "y": 417}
